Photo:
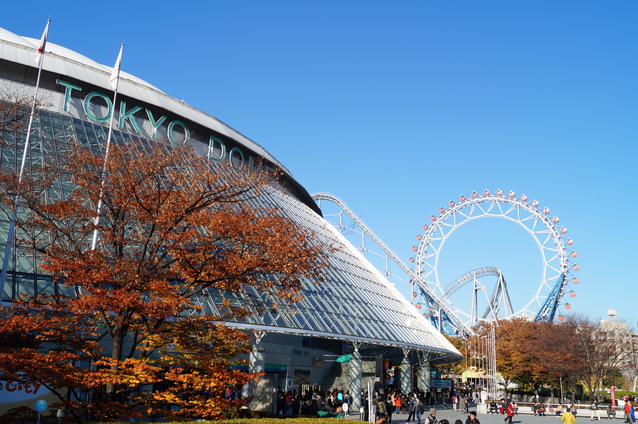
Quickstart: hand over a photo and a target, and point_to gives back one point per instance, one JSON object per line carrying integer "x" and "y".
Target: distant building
{"x": 625, "y": 343}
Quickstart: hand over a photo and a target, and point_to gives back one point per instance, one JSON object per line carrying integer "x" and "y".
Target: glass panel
{"x": 25, "y": 283}
{"x": 45, "y": 284}
{"x": 24, "y": 259}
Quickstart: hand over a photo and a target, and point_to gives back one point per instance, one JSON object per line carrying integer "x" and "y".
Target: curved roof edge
{"x": 64, "y": 61}
{"x": 448, "y": 355}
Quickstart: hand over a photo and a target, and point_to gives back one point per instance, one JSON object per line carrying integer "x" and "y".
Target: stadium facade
{"x": 355, "y": 311}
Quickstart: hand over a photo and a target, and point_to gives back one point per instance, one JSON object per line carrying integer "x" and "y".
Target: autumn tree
{"x": 515, "y": 360}
{"x": 14, "y": 108}
{"x": 536, "y": 354}
{"x": 128, "y": 333}
{"x": 454, "y": 368}
{"x": 604, "y": 349}
{"x": 517, "y": 349}
{"x": 557, "y": 359}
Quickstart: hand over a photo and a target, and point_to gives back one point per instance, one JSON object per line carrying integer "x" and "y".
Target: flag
{"x": 39, "y": 54}
{"x": 115, "y": 75}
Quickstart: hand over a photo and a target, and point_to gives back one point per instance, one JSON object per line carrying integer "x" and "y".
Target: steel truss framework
{"x": 548, "y": 237}
{"x": 452, "y": 324}
{"x": 499, "y": 299}
{"x": 552, "y": 244}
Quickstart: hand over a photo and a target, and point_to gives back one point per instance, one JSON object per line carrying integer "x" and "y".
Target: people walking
{"x": 397, "y": 403}
{"x": 431, "y": 418}
{"x": 471, "y": 419}
{"x": 419, "y": 410}
{"x": 568, "y": 418}
{"x": 627, "y": 411}
{"x": 594, "y": 411}
{"x": 463, "y": 404}
{"x": 509, "y": 411}
{"x": 412, "y": 409}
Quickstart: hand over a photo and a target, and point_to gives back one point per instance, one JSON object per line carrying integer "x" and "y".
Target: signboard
{"x": 41, "y": 405}
{"x": 14, "y": 394}
{"x": 440, "y": 383}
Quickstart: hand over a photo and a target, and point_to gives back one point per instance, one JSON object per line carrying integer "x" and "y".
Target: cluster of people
{"x": 508, "y": 408}
{"x": 416, "y": 405}
{"x": 463, "y": 401}
{"x": 313, "y": 402}
{"x": 431, "y": 418}
{"x": 629, "y": 415}
{"x": 395, "y": 402}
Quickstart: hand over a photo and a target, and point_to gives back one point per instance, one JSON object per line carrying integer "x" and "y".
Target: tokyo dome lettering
{"x": 217, "y": 152}
{"x": 98, "y": 107}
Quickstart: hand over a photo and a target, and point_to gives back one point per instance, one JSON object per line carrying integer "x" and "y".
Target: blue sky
{"x": 398, "y": 107}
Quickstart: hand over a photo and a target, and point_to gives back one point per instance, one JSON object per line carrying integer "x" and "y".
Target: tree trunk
{"x": 118, "y": 345}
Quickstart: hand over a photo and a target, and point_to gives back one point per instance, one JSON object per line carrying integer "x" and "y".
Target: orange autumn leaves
{"x": 173, "y": 227}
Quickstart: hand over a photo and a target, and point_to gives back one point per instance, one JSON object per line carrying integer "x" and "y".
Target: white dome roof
{"x": 63, "y": 61}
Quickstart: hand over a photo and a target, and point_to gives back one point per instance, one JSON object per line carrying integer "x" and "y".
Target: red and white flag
{"x": 39, "y": 54}
{"x": 115, "y": 75}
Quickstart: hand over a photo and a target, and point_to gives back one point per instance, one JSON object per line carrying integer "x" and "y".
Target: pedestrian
{"x": 419, "y": 410}
{"x": 389, "y": 409}
{"x": 568, "y": 418}
{"x": 559, "y": 409}
{"x": 471, "y": 419}
{"x": 463, "y": 404}
{"x": 431, "y": 418}
{"x": 397, "y": 403}
{"x": 454, "y": 402}
{"x": 382, "y": 407}
{"x": 627, "y": 411}
{"x": 509, "y": 410}
{"x": 412, "y": 409}
{"x": 594, "y": 411}
{"x": 541, "y": 409}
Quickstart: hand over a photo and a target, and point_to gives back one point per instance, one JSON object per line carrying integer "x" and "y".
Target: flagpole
{"x": 115, "y": 82}
{"x": 8, "y": 250}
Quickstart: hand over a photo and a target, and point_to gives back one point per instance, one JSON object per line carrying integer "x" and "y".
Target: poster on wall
{"x": 14, "y": 394}
{"x": 440, "y": 383}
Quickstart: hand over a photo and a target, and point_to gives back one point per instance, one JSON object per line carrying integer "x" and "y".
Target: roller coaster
{"x": 489, "y": 301}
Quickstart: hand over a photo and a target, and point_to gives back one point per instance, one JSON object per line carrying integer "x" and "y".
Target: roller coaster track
{"x": 438, "y": 312}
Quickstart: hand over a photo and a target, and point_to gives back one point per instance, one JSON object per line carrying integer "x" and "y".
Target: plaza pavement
{"x": 446, "y": 412}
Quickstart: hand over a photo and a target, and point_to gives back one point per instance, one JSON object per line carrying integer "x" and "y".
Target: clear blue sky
{"x": 397, "y": 107}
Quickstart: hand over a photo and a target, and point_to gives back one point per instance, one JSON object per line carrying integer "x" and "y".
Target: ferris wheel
{"x": 553, "y": 245}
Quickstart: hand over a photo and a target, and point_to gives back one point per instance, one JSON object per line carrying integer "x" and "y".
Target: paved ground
{"x": 446, "y": 412}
